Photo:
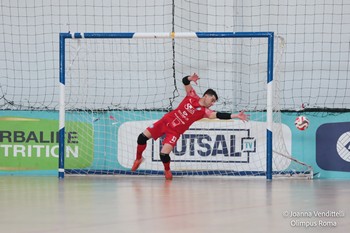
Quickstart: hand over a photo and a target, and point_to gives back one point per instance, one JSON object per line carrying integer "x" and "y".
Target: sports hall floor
{"x": 186, "y": 204}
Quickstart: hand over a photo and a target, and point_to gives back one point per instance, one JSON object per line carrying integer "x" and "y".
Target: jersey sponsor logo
{"x": 190, "y": 108}
{"x": 333, "y": 146}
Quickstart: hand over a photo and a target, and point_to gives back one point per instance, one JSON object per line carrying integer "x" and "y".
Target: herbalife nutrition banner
{"x": 32, "y": 144}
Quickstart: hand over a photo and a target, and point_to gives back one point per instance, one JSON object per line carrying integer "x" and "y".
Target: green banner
{"x": 32, "y": 144}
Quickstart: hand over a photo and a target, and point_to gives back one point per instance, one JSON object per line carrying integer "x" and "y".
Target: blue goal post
{"x": 131, "y": 35}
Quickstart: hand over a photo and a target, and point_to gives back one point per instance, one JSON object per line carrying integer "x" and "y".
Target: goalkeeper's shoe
{"x": 136, "y": 164}
{"x": 168, "y": 175}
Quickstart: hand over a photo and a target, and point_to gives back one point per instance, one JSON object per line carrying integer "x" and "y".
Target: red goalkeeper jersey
{"x": 188, "y": 111}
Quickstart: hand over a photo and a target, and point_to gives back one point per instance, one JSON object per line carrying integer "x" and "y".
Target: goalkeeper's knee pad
{"x": 142, "y": 139}
{"x": 165, "y": 158}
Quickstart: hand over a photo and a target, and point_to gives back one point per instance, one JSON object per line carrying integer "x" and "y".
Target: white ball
{"x": 301, "y": 122}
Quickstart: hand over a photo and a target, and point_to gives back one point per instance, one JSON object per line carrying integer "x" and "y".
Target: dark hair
{"x": 212, "y": 93}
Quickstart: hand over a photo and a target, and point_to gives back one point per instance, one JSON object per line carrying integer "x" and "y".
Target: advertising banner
{"x": 32, "y": 144}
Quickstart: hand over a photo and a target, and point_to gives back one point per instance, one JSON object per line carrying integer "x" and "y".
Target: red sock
{"x": 166, "y": 166}
{"x": 140, "y": 150}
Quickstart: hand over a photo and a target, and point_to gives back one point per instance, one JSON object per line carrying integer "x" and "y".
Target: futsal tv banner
{"x": 215, "y": 144}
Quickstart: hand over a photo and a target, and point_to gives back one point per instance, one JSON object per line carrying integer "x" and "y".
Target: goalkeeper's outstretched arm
{"x": 187, "y": 81}
{"x": 226, "y": 116}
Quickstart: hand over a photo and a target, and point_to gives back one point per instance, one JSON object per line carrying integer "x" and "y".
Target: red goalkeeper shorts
{"x": 161, "y": 128}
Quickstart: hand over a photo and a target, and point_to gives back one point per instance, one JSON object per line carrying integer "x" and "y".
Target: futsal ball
{"x": 301, "y": 122}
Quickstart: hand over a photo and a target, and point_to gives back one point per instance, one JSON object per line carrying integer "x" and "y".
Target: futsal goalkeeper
{"x": 173, "y": 124}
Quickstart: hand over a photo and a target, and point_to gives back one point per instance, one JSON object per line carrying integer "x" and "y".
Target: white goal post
{"x": 113, "y": 85}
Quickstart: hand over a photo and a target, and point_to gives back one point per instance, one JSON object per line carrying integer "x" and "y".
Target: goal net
{"x": 114, "y": 85}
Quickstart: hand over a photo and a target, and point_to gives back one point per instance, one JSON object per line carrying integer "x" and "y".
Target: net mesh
{"x": 116, "y": 88}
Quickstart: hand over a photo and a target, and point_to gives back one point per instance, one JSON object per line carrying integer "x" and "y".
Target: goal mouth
{"x": 114, "y": 85}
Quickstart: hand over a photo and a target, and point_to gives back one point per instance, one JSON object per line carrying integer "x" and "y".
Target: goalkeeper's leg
{"x": 165, "y": 158}
{"x": 141, "y": 146}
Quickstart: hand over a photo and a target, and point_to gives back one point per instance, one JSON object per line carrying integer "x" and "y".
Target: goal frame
{"x": 134, "y": 35}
